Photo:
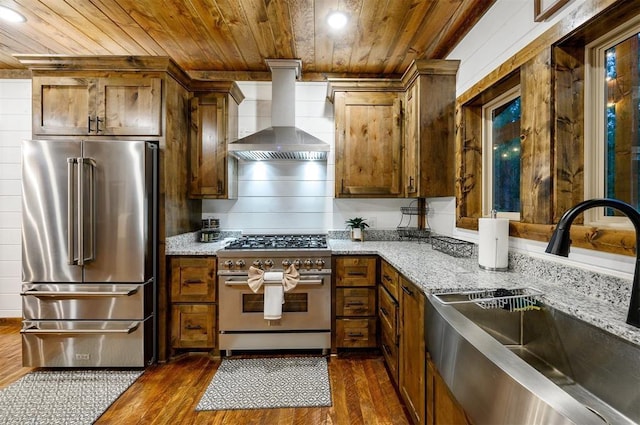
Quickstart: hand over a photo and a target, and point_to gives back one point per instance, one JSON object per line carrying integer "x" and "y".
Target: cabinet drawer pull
{"x": 98, "y": 121}
{"x": 89, "y": 124}
{"x": 384, "y": 312}
{"x": 354, "y": 304}
{"x": 193, "y": 327}
{"x": 386, "y": 349}
{"x": 355, "y": 335}
{"x": 356, "y": 273}
{"x": 191, "y": 281}
{"x": 386, "y": 277}
{"x": 407, "y": 291}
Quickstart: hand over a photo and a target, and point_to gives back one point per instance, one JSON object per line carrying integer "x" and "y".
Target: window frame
{"x": 487, "y": 149}
{"x": 595, "y": 123}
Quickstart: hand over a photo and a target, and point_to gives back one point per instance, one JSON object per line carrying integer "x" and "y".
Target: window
{"x": 501, "y": 155}
{"x": 613, "y": 130}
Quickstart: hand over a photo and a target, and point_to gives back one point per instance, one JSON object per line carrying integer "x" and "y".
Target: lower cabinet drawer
{"x": 356, "y": 333}
{"x": 390, "y": 352}
{"x": 193, "y": 326}
{"x": 355, "y": 301}
{"x": 388, "y": 312}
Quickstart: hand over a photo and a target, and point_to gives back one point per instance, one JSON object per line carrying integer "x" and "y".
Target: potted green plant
{"x": 357, "y": 225}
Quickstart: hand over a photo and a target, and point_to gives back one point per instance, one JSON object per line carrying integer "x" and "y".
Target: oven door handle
{"x": 310, "y": 280}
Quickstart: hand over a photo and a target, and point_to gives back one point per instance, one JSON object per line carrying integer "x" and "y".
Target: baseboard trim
{"x": 15, "y": 321}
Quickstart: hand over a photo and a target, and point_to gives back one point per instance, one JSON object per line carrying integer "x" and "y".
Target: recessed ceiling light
{"x": 337, "y": 20}
{"x": 10, "y": 15}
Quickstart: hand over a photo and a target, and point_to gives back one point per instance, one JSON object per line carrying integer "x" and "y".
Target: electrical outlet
{"x": 371, "y": 221}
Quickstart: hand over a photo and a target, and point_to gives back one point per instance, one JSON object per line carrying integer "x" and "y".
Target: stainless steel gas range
{"x": 305, "y": 321}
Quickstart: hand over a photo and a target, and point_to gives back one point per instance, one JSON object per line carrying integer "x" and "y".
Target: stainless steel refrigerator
{"x": 89, "y": 253}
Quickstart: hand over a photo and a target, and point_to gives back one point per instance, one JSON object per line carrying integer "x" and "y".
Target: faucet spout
{"x": 560, "y": 242}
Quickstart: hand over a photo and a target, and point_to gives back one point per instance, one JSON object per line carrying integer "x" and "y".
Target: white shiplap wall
{"x": 15, "y": 125}
{"x": 505, "y": 29}
{"x": 284, "y": 196}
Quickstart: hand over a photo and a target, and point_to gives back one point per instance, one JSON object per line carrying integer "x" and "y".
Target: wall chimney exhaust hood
{"x": 283, "y": 140}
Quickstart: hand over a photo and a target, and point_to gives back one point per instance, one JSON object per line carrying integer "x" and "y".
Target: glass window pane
{"x": 622, "y": 122}
{"x": 506, "y": 156}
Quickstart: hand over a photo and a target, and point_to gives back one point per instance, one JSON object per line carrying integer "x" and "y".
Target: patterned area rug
{"x": 67, "y": 397}
{"x": 268, "y": 383}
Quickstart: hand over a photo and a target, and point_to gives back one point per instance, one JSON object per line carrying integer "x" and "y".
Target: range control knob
{"x": 308, "y": 263}
{"x": 268, "y": 263}
{"x": 229, "y": 264}
{"x": 297, "y": 263}
{"x": 286, "y": 263}
{"x": 257, "y": 263}
{"x": 319, "y": 263}
{"x": 240, "y": 263}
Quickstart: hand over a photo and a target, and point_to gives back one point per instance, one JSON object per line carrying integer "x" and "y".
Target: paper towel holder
{"x": 495, "y": 262}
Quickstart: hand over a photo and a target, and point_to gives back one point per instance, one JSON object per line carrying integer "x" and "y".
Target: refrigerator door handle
{"x": 71, "y": 204}
{"x": 92, "y": 208}
{"x": 35, "y": 330}
{"x": 77, "y": 294}
{"x": 83, "y": 203}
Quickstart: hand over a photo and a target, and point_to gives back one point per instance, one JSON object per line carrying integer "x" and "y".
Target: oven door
{"x": 307, "y": 307}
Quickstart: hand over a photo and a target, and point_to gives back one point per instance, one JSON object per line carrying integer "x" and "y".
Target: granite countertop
{"x": 597, "y": 299}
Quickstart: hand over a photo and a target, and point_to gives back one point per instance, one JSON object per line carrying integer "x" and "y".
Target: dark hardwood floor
{"x": 168, "y": 393}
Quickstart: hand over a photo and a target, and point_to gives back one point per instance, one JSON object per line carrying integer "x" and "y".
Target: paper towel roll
{"x": 493, "y": 243}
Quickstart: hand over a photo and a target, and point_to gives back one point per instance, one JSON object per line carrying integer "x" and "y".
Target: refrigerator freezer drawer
{"x": 119, "y": 343}
{"x": 87, "y": 301}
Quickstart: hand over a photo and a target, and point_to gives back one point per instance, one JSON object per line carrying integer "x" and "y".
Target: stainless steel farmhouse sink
{"x": 530, "y": 363}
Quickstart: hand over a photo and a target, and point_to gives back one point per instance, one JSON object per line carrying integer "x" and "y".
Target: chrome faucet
{"x": 560, "y": 242}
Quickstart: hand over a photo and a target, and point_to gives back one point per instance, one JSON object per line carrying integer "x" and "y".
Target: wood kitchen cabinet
{"x": 355, "y": 302}
{"x": 428, "y": 160}
{"x": 412, "y": 353}
{"x": 214, "y": 124}
{"x": 368, "y": 140}
{"x": 193, "y": 303}
{"x": 88, "y": 105}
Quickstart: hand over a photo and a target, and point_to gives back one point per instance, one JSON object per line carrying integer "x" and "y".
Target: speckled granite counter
{"x": 597, "y": 299}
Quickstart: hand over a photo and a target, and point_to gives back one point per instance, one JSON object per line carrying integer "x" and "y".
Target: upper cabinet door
{"x": 214, "y": 125}
{"x": 368, "y": 144}
{"x": 63, "y": 105}
{"x": 129, "y": 106}
{"x": 90, "y": 106}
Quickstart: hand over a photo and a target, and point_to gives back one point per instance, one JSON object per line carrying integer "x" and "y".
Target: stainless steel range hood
{"x": 283, "y": 140}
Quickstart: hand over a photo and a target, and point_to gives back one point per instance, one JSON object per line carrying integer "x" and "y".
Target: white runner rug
{"x": 263, "y": 383}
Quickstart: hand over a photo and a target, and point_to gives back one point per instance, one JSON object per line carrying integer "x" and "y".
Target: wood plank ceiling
{"x": 230, "y": 39}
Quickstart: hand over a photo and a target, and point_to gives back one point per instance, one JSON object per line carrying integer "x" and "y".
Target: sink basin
{"x": 535, "y": 365}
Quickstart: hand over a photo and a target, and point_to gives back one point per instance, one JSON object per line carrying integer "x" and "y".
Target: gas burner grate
{"x": 279, "y": 242}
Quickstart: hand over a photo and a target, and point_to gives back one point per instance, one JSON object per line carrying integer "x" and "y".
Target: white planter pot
{"x": 357, "y": 234}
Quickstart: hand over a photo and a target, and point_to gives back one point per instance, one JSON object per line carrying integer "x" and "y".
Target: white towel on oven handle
{"x": 275, "y": 285}
{"x": 273, "y": 300}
